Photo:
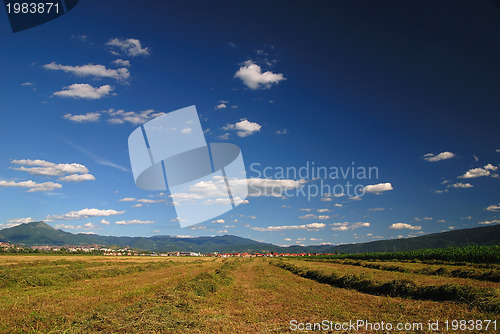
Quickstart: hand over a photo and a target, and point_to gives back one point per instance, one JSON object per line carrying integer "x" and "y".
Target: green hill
{"x": 40, "y": 233}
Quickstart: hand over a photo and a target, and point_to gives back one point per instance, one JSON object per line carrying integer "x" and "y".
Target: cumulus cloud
{"x": 378, "y": 188}
{"x": 134, "y": 222}
{"x": 441, "y": 156}
{"x": 21, "y": 220}
{"x": 252, "y": 76}
{"x": 85, "y": 213}
{"x": 85, "y": 91}
{"x": 243, "y": 128}
{"x": 400, "y": 226}
{"x": 105, "y": 222}
{"x": 77, "y": 172}
{"x": 221, "y": 105}
{"x": 312, "y": 226}
{"x": 313, "y": 216}
{"x": 478, "y": 172}
{"x": 46, "y": 168}
{"x": 88, "y": 117}
{"x": 489, "y": 222}
{"x": 127, "y": 199}
{"x": 119, "y": 117}
{"x": 345, "y": 226}
{"x": 31, "y": 185}
{"x": 77, "y": 178}
{"x": 150, "y": 201}
{"x": 129, "y": 47}
{"x": 135, "y": 118}
{"x": 493, "y": 207}
{"x": 460, "y": 185}
{"x": 121, "y": 62}
{"x": 87, "y": 226}
{"x": 219, "y": 221}
{"x": 256, "y": 187}
{"x": 97, "y": 71}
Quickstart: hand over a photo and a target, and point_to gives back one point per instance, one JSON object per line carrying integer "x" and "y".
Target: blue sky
{"x": 395, "y": 86}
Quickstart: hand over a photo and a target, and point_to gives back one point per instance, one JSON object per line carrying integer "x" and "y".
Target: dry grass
{"x": 193, "y": 295}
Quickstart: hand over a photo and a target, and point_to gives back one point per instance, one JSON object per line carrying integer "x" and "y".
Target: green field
{"x": 88, "y": 294}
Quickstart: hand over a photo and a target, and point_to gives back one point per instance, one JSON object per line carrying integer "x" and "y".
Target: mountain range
{"x": 40, "y": 233}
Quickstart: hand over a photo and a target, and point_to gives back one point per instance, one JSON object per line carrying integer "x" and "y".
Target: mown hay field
{"x": 98, "y": 294}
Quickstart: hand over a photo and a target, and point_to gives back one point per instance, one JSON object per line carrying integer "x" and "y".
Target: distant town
{"x": 6, "y": 247}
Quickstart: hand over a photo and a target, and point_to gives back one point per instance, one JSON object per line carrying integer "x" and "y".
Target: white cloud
{"x": 88, "y": 117}
{"x": 312, "y": 226}
{"x": 489, "y": 222}
{"x": 130, "y": 47}
{"x": 21, "y": 220}
{"x": 135, "y": 118}
{"x": 323, "y": 210}
{"x": 400, "y": 226}
{"x": 244, "y": 128}
{"x": 441, "y": 156}
{"x": 137, "y": 205}
{"x": 308, "y": 216}
{"x": 376, "y": 209}
{"x": 105, "y": 222}
{"x": 46, "y": 168}
{"x": 326, "y": 199}
{"x": 150, "y": 201}
{"x": 288, "y": 239}
{"x": 378, "y": 188}
{"x": 478, "y": 172}
{"x": 345, "y": 226}
{"x": 33, "y": 186}
{"x": 85, "y": 213}
{"x": 98, "y": 71}
{"x": 215, "y": 190}
{"x": 77, "y": 178}
{"x": 252, "y": 76}
{"x": 127, "y": 199}
{"x": 224, "y": 136}
{"x": 85, "y": 91}
{"x": 134, "y": 222}
{"x": 282, "y": 132}
{"x": 220, "y": 106}
{"x": 121, "y": 62}
{"x": 355, "y": 198}
{"x": 187, "y": 130}
{"x": 493, "y": 207}
{"x": 338, "y": 205}
{"x": 460, "y": 185}
{"x": 86, "y": 226}
{"x": 219, "y": 221}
